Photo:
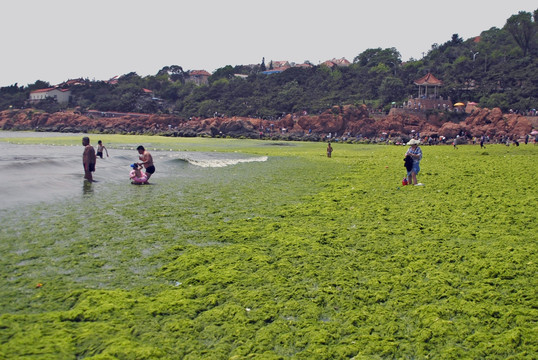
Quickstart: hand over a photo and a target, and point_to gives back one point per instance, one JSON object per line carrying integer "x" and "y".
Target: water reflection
{"x": 87, "y": 188}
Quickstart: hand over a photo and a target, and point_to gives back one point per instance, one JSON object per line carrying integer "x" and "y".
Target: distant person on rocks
{"x": 146, "y": 160}
{"x": 88, "y": 159}
{"x": 100, "y": 148}
{"x": 416, "y": 154}
{"x": 329, "y": 150}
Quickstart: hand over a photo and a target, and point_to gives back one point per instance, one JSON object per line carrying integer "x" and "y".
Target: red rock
{"x": 338, "y": 120}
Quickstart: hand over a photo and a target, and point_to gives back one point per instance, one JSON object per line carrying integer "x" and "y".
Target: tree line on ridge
{"x": 499, "y": 68}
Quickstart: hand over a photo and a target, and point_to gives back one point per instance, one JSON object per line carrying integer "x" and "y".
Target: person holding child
{"x": 146, "y": 160}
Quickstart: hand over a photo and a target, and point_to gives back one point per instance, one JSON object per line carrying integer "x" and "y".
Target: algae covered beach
{"x": 288, "y": 254}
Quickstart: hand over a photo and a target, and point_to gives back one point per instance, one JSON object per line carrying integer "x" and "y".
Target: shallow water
{"x": 34, "y": 174}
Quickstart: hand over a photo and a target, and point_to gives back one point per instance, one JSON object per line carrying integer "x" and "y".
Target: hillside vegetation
{"x": 499, "y": 68}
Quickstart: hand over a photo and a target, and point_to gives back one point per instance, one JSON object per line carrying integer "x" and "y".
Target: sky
{"x": 57, "y": 40}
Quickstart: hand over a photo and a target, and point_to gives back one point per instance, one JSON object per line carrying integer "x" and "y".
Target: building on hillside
{"x": 336, "y": 62}
{"x": 113, "y": 81}
{"x": 198, "y": 77}
{"x": 304, "y": 65}
{"x": 424, "y": 83}
{"x": 151, "y": 95}
{"x": 72, "y": 82}
{"x": 341, "y": 62}
{"x": 61, "y": 96}
{"x": 426, "y": 100}
{"x": 275, "y": 70}
{"x": 279, "y": 64}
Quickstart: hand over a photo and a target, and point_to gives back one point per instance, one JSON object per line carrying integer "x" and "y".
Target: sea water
{"x": 32, "y": 174}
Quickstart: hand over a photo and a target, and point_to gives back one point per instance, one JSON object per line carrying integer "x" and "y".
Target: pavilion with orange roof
{"x": 425, "y": 99}
{"x": 426, "y": 81}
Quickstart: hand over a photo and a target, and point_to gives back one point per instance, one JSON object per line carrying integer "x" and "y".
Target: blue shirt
{"x": 416, "y": 151}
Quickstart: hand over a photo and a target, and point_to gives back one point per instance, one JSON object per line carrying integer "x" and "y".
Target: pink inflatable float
{"x": 137, "y": 176}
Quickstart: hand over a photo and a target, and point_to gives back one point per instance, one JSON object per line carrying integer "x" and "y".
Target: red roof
{"x": 341, "y": 62}
{"x": 336, "y": 62}
{"x": 74, "y": 82}
{"x": 113, "y": 81}
{"x": 428, "y": 79}
{"x": 47, "y": 90}
{"x": 199, "y": 73}
{"x": 279, "y": 64}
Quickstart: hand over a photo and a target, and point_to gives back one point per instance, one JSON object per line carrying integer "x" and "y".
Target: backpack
{"x": 408, "y": 162}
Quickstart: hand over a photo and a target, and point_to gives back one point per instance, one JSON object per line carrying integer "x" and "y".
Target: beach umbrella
{"x": 459, "y": 104}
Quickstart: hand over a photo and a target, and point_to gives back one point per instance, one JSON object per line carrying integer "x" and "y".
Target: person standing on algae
{"x": 416, "y": 154}
{"x": 88, "y": 159}
{"x": 329, "y": 149}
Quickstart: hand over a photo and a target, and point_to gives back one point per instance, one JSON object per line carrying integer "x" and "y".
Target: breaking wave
{"x": 220, "y": 162}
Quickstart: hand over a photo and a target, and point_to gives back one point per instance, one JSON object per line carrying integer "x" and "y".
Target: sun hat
{"x": 413, "y": 142}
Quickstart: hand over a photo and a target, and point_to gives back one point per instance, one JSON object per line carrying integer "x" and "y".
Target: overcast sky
{"x": 57, "y": 40}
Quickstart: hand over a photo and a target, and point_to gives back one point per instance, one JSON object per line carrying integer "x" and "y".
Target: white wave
{"x": 223, "y": 162}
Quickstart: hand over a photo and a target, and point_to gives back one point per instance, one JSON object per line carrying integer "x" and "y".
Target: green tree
{"x": 39, "y": 84}
{"x": 373, "y": 57}
{"x": 391, "y": 89}
{"x": 13, "y": 97}
{"x": 226, "y": 72}
{"x": 522, "y": 29}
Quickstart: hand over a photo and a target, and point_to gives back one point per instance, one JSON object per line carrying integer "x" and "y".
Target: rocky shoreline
{"x": 347, "y": 121}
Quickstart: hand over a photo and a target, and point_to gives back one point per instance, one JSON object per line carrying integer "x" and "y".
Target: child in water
{"x": 137, "y": 176}
{"x": 100, "y": 148}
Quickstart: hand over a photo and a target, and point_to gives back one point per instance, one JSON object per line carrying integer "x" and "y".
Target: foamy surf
{"x": 216, "y": 163}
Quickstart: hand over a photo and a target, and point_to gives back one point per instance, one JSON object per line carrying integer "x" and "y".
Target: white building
{"x": 60, "y": 95}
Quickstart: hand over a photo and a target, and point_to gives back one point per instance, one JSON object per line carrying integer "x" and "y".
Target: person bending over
{"x": 146, "y": 160}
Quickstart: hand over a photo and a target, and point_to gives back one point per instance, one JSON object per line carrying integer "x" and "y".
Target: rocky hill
{"x": 349, "y": 120}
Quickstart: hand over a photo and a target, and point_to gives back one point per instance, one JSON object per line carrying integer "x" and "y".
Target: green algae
{"x": 298, "y": 257}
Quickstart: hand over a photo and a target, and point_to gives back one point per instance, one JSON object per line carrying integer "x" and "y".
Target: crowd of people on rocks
{"x": 434, "y": 139}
